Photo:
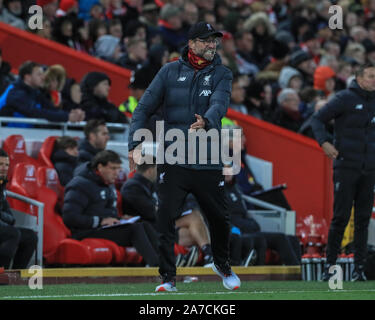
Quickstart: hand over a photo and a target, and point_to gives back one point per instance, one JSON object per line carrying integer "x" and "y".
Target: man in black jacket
{"x": 90, "y": 208}
{"x": 353, "y": 152}
{"x": 96, "y": 138}
{"x": 95, "y": 88}
{"x": 26, "y": 100}
{"x": 15, "y": 243}
{"x": 194, "y": 93}
{"x": 65, "y": 158}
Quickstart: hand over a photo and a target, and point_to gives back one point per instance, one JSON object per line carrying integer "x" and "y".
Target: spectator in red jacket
{"x": 324, "y": 80}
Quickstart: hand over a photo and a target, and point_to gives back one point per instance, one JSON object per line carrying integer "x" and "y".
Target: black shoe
{"x": 208, "y": 261}
{"x": 224, "y": 269}
{"x": 167, "y": 278}
{"x": 326, "y": 275}
{"x": 358, "y": 274}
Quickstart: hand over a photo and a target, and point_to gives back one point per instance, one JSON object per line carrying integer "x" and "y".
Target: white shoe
{"x": 166, "y": 287}
{"x": 230, "y": 280}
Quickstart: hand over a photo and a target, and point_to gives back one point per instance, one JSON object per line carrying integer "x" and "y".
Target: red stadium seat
{"x": 48, "y": 177}
{"x": 15, "y": 147}
{"x": 132, "y": 256}
{"x": 57, "y": 247}
{"x": 119, "y": 253}
{"x": 45, "y": 152}
{"x": 24, "y": 182}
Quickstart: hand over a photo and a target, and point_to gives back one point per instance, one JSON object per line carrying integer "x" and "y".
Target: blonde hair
{"x": 57, "y": 72}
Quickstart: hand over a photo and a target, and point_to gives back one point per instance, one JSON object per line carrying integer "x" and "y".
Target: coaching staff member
{"x": 194, "y": 93}
{"x": 353, "y": 154}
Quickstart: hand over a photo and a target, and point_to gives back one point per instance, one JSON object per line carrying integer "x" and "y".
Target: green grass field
{"x": 250, "y": 290}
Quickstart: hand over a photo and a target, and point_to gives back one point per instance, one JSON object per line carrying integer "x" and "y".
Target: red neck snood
{"x": 197, "y": 62}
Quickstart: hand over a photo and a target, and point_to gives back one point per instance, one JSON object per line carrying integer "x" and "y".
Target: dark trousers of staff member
{"x": 174, "y": 183}
{"x": 351, "y": 188}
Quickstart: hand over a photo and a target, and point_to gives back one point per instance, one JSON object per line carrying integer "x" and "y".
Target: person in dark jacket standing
{"x": 17, "y": 244}
{"x": 95, "y": 88}
{"x": 353, "y": 154}
{"x": 90, "y": 208}
{"x": 194, "y": 93}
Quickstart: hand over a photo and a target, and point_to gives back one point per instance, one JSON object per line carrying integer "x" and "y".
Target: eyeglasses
{"x": 208, "y": 41}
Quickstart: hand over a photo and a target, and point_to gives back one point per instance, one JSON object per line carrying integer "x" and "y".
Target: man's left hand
{"x": 199, "y": 124}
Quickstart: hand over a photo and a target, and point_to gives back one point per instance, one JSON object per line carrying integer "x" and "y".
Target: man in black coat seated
{"x": 95, "y": 88}
{"x": 90, "y": 208}
{"x": 96, "y": 138}
{"x": 65, "y": 158}
{"x": 17, "y": 244}
{"x": 248, "y": 226}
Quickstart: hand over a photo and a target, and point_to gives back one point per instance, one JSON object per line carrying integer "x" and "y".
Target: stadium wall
{"x": 19, "y": 46}
{"x": 297, "y": 161}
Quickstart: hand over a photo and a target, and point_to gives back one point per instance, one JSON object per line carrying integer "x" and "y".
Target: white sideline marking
{"x": 176, "y": 293}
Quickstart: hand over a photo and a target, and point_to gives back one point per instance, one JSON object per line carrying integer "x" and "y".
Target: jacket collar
{"x": 362, "y": 92}
{"x": 149, "y": 184}
{"x": 85, "y": 145}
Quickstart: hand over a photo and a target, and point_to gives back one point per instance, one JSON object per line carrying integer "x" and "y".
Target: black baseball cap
{"x": 203, "y": 30}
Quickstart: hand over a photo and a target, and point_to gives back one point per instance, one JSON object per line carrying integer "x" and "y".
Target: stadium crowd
{"x": 284, "y": 57}
{"x": 286, "y": 61}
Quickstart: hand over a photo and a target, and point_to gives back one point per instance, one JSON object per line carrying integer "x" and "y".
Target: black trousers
{"x": 18, "y": 244}
{"x": 139, "y": 235}
{"x": 351, "y": 187}
{"x": 240, "y": 247}
{"x": 174, "y": 183}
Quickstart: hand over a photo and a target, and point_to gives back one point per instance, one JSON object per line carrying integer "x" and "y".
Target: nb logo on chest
{"x": 205, "y": 93}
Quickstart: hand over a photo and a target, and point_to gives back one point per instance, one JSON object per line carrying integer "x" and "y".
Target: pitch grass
{"x": 250, "y": 290}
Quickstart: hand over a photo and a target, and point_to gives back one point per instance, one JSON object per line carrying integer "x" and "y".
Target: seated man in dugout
{"x": 140, "y": 199}
{"x": 17, "y": 245}
{"x": 90, "y": 208}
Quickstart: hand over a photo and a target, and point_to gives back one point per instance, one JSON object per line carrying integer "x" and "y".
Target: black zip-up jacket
{"x": 138, "y": 199}
{"x": 64, "y": 164}
{"x": 353, "y": 110}
{"x": 6, "y": 216}
{"x": 88, "y": 200}
{"x": 181, "y": 92}
{"x": 24, "y": 101}
{"x": 86, "y": 151}
{"x": 238, "y": 211}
